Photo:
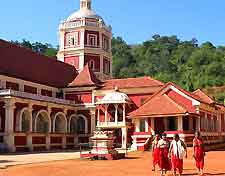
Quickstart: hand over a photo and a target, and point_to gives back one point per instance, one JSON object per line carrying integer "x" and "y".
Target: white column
{"x": 9, "y": 124}
{"x": 124, "y": 137}
{"x": 21, "y": 87}
{"x": 30, "y": 109}
{"x": 50, "y": 120}
{"x": 146, "y": 125}
{"x": 116, "y": 113}
{"x": 3, "y": 84}
{"x": 153, "y": 126}
{"x": 93, "y": 125}
{"x": 29, "y": 142}
{"x": 180, "y": 123}
{"x": 124, "y": 113}
{"x": 137, "y": 125}
{"x": 98, "y": 118}
{"x": 48, "y": 141}
{"x": 64, "y": 142}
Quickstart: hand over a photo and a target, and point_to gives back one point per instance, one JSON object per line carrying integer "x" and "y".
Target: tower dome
{"x": 85, "y": 12}
{"x": 84, "y": 39}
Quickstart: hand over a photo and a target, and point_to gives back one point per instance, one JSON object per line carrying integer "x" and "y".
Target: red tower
{"x": 86, "y": 39}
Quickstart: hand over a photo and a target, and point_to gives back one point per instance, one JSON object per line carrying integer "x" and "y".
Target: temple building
{"x": 49, "y": 104}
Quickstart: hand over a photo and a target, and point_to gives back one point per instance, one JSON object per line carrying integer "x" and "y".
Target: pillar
{"x": 93, "y": 119}
{"x": 124, "y": 113}
{"x": 153, "y": 126}
{"x": 98, "y": 117}
{"x": 9, "y": 124}
{"x": 48, "y": 141}
{"x": 137, "y": 125}
{"x": 124, "y": 138}
{"x": 180, "y": 123}
{"x": 29, "y": 142}
{"x": 64, "y": 142}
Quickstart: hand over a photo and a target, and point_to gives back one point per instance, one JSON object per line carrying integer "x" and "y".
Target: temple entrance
{"x": 117, "y": 133}
{"x": 159, "y": 125}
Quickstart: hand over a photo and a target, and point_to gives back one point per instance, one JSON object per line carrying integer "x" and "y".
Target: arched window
{"x": 25, "y": 121}
{"x": 60, "y": 123}
{"x": 42, "y": 123}
{"x": 81, "y": 125}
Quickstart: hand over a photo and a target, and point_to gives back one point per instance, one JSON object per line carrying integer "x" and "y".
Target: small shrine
{"x": 103, "y": 147}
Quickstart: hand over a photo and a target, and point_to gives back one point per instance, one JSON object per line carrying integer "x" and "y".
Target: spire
{"x": 85, "y": 4}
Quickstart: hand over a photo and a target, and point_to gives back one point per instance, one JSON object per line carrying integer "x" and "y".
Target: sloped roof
{"x": 86, "y": 78}
{"x": 132, "y": 83}
{"x": 22, "y": 63}
{"x": 204, "y": 97}
{"x": 161, "y": 105}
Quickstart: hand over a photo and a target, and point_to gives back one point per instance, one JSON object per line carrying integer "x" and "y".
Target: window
{"x": 105, "y": 44}
{"x": 142, "y": 125}
{"x": 72, "y": 39}
{"x": 92, "y": 40}
{"x": 91, "y": 64}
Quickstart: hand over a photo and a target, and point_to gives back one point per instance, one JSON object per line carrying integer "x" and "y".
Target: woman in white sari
{"x": 178, "y": 151}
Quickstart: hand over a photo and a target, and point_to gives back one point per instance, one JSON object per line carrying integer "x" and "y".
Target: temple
{"x": 49, "y": 104}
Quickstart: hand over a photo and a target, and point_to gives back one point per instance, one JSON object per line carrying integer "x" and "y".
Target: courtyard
{"x": 137, "y": 164}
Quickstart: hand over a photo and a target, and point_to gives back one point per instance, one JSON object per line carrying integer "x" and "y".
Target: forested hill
{"x": 166, "y": 58}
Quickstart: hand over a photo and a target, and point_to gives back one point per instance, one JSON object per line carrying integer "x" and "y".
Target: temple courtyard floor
{"x": 68, "y": 164}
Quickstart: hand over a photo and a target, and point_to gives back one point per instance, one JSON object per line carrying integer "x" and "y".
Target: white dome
{"x": 84, "y": 13}
{"x": 114, "y": 97}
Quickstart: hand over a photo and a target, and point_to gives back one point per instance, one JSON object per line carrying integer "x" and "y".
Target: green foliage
{"x": 167, "y": 58}
{"x": 43, "y": 49}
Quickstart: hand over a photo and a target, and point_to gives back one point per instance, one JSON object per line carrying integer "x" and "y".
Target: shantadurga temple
{"x": 49, "y": 104}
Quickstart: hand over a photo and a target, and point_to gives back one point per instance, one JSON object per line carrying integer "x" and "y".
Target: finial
{"x": 85, "y": 4}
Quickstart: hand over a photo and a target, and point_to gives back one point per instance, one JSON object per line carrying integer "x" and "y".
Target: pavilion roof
{"x": 204, "y": 97}
{"x": 86, "y": 78}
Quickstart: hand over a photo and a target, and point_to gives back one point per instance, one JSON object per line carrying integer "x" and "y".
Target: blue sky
{"x": 135, "y": 21}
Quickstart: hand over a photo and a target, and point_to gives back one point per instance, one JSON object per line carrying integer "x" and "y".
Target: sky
{"x": 134, "y": 20}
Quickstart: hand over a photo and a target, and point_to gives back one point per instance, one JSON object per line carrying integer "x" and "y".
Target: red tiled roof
{"x": 204, "y": 97}
{"x": 85, "y": 78}
{"x": 161, "y": 105}
{"x": 22, "y": 63}
{"x": 132, "y": 83}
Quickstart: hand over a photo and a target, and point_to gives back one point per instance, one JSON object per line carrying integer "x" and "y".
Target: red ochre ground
{"x": 137, "y": 164}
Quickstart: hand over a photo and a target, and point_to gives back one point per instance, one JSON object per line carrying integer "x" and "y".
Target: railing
{"x": 8, "y": 92}
{"x": 111, "y": 124}
{"x": 82, "y": 23}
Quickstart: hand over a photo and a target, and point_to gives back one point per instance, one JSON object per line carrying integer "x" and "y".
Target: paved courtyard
{"x": 21, "y": 159}
{"x": 137, "y": 164}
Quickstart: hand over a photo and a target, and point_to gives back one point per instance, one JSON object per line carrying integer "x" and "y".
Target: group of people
{"x": 169, "y": 155}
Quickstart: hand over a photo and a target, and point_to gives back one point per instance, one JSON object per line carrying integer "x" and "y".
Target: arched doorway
{"x": 42, "y": 122}
{"x": 60, "y": 123}
{"x": 25, "y": 121}
{"x": 78, "y": 124}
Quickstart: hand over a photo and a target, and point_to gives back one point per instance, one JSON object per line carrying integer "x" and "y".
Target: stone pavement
{"x": 7, "y": 160}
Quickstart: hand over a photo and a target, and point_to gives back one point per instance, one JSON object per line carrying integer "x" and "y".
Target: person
{"x": 177, "y": 152}
{"x": 199, "y": 152}
{"x": 155, "y": 151}
{"x": 164, "y": 162}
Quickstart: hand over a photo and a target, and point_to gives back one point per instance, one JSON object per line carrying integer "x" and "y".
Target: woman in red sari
{"x": 199, "y": 152}
{"x": 164, "y": 162}
{"x": 178, "y": 151}
{"x": 155, "y": 151}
